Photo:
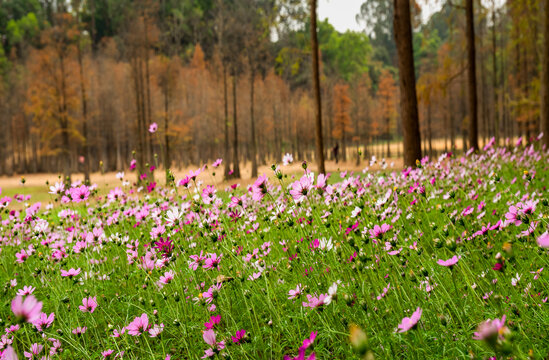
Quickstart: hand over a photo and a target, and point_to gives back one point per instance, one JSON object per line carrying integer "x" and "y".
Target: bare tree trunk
{"x": 408, "y": 98}
{"x": 472, "y": 77}
{"x": 495, "y": 74}
{"x": 227, "y": 166}
{"x": 167, "y": 160}
{"x": 545, "y": 78}
{"x": 316, "y": 87}
{"x": 252, "y": 126}
{"x": 236, "y": 166}
{"x": 429, "y": 130}
{"x": 85, "y": 148}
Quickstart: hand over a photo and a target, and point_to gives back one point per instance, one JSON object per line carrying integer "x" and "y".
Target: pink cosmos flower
{"x": 450, "y": 262}
{"x": 80, "y": 330}
{"x": 217, "y": 163}
{"x": 35, "y": 349}
{"x": 156, "y": 330}
{"x": 43, "y": 321}
{"x": 301, "y": 188}
{"x": 107, "y": 353}
{"x": 490, "y": 329}
{"x": 214, "y": 320}
{"x": 166, "y": 278}
{"x": 543, "y": 240}
{"x": 314, "y": 302}
{"x": 80, "y": 193}
{"x": 410, "y": 322}
{"x": 88, "y": 304}
{"x": 153, "y": 127}
{"x": 26, "y": 290}
{"x": 28, "y": 310}
{"x": 139, "y": 325}
{"x": 295, "y": 293}
{"x": 210, "y": 339}
{"x": 240, "y": 334}
{"x": 8, "y": 354}
{"x": 378, "y": 231}
{"x": 212, "y": 262}
{"x": 71, "y": 273}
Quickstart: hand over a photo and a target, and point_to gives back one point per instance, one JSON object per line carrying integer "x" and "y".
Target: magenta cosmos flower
{"x": 450, "y": 262}
{"x": 378, "y": 231}
{"x": 88, "y": 304}
{"x": 28, "y": 310}
{"x": 153, "y": 127}
{"x": 543, "y": 240}
{"x": 139, "y": 325}
{"x": 410, "y": 322}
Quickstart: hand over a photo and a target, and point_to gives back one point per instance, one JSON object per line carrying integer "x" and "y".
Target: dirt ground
{"x": 35, "y": 182}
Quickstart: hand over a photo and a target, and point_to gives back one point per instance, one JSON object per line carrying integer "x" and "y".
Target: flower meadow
{"x": 446, "y": 260}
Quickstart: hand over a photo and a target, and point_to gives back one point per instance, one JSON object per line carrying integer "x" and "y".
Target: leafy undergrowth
{"x": 443, "y": 261}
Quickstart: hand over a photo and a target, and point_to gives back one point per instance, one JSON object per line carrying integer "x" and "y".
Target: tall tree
{"x": 545, "y": 80}
{"x": 471, "y": 75}
{"x": 408, "y": 98}
{"x": 316, "y": 89}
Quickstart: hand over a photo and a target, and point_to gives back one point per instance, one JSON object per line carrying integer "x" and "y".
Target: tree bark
{"x": 252, "y": 126}
{"x": 471, "y": 75}
{"x": 408, "y": 97}
{"x": 236, "y": 167}
{"x": 545, "y": 79}
{"x": 495, "y": 74}
{"x": 316, "y": 88}
{"x": 227, "y": 159}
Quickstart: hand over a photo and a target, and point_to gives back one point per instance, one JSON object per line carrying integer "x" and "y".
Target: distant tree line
{"x": 83, "y": 80}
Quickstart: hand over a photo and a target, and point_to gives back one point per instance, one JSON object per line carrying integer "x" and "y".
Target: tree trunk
{"x": 316, "y": 87}
{"x": 236, "y": 167}
{"x": 495, "y": 74}
{"x": 471, "y": 75}
{"x": 85, "y": 148}
{"x": 408, "y": 98}
{"x": 227, "y": 166}
{"x": 167, "y": 160}
{"x": 252, "y": 126}
{"x": 545, "y": 78}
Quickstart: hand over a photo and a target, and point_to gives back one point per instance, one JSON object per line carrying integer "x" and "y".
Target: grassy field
{"x": 443, "y": 261}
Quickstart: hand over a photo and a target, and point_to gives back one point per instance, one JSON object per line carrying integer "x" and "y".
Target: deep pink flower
{"x": 214, "y": 320}
{"x": 240, "y": 334}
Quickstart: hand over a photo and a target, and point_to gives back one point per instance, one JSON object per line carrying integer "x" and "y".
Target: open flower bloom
{"x": 410, "y": 322}
{"x": 490, "y": 329}
{"x": 543, "y": 240}
{"x": 139, "y": 325}
{"x": 29, "y": 310}
{"x": 450, "y": 262}
{"x": 88, "y": 304}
